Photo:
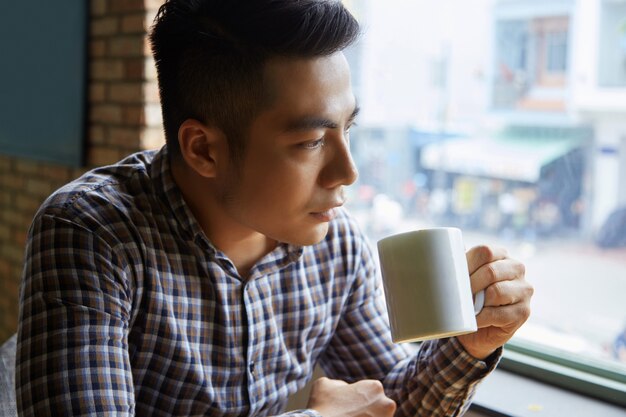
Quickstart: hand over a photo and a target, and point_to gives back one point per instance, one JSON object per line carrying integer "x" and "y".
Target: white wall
{"x": 403, "y": 40}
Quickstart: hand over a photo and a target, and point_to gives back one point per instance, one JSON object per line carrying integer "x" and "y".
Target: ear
{"x": 203, "y": 148}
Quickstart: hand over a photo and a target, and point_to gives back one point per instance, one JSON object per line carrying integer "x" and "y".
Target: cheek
{"x": 286, "y": 191}
{"x": 283, "y": 197}
{"x": 278, "y": 182}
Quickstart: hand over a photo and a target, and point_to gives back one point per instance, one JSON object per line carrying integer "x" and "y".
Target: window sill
{"x": 510, "y": 395}
{"x": 507, "y": 394}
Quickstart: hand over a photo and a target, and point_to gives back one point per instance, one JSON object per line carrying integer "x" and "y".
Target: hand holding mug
{"x": 507, "y": 299}
{"x": 434, "y": 289}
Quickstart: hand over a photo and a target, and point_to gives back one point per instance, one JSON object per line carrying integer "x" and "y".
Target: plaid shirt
{"x": 127, "y": 308}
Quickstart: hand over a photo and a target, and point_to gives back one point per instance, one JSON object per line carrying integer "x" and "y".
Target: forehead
{"x": 309, "y": 86}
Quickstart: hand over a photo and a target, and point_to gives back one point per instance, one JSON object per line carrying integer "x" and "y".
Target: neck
{"x": 243, "y": 246}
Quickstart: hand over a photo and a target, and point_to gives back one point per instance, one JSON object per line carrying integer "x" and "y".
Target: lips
{"x": 327, "y": 214}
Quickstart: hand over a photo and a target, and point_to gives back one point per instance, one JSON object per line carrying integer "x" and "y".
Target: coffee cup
{"x": 427, "y": 285}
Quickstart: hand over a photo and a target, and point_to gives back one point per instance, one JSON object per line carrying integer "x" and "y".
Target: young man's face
{"x": 297, "y": 159}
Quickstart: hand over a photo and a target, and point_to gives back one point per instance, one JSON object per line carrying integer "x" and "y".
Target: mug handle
{"x": 479, "y": 301}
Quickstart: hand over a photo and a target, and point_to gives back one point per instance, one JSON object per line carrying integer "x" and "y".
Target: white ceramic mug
{"x": 427, "y": 285}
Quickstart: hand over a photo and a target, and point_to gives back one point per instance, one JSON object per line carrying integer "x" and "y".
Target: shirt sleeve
{"x": 301, "y": 413}
{"x": 72, "y": 352}
{"x": 437, "y": 379}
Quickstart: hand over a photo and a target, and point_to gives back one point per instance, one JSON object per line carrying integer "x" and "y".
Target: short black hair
{"x": 210, "y": 56}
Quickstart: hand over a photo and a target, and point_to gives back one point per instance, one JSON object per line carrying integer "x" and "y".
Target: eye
{"x": 314, "y": 144}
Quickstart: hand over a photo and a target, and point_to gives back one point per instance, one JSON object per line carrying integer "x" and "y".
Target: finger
{"x": 507, "y": 269}
{"x": 510, "y": 316}
{"x": 507, "y": 292}
{"x": 481, "y": 255}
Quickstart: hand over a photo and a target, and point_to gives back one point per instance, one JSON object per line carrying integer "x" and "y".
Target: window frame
{"x": 593, "y": 378}
{"x": 588, "y": 377}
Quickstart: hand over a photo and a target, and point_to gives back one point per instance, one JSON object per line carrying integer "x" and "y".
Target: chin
{"x": 309, "y": 237}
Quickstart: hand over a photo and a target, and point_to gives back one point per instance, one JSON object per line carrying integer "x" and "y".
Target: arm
{"x": 437, "y": 380}
{"x": 72, "y": 352}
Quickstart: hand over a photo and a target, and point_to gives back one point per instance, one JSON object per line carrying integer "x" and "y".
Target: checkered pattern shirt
{"x": 128, "y": 309}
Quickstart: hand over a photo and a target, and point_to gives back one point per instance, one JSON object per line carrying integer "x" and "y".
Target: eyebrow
{"x": 309, "y": 123}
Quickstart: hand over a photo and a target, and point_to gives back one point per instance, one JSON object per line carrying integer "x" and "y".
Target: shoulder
{"x": 102, "y": 194}
{"x": 115, "y": 178}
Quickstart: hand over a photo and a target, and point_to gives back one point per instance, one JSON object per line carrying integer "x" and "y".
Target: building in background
{"x": 599, "y": 98}
{"x": 525, "y": 135}
{"x": 506, "y": 118}
{"x": 564, "y": 63}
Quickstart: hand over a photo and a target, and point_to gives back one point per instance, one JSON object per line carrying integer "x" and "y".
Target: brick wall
{"x": 124, "y": 116}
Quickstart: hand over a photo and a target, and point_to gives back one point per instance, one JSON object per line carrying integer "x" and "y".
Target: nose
{"x": 340, "y": 168}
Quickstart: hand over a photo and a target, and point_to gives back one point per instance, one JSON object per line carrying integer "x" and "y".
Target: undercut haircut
{"x": 210, "y": 56}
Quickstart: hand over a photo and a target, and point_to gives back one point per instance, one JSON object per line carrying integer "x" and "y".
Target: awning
{"x": 508, "y": 157}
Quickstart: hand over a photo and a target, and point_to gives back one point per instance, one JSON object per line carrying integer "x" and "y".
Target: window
{"x": 550, "y": 35}
{"x": 512, "y": 65}
{"x": 543, "y": 178}
{"x": 612, "y": 44}
{"x": 530, "y": 58}
{"x": 556, "y": 51}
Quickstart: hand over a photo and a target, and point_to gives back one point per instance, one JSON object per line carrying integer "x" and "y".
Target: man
{"x": 210, "y": 277}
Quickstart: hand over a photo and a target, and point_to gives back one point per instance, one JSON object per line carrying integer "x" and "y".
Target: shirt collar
{"x": 172, "y": 196}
